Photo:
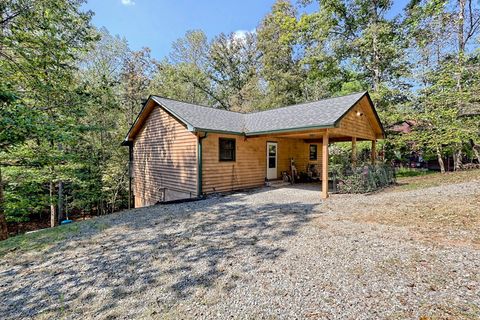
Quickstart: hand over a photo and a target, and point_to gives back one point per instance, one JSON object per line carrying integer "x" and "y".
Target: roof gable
{"x": 360, "y": 121}
{"x": 203, "y": 118}
{"x": 326, "y": 113}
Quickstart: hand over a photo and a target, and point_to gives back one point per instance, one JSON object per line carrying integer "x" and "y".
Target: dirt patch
{"x": 438, "y": 208}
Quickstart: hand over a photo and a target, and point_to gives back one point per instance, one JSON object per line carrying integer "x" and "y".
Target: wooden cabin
{"x": 181, "y": 150}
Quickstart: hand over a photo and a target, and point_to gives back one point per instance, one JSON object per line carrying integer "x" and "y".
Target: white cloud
{"x": 241, "y": 35}
{"x": 128, "y": 2}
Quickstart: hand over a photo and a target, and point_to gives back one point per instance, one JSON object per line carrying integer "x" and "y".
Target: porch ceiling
{"x": 316, "y": 136}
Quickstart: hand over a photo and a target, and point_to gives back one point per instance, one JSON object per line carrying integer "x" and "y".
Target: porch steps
{"x": 276, "y": 183}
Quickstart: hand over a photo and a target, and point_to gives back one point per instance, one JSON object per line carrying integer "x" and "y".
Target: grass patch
{"x": 37, "y": 240}
{"x": 42, "y": 239}
{"x": 435, "y": 179}
{"x": 409, "y": 172}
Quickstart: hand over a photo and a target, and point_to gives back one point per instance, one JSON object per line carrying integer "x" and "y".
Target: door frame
{"x": 273, "y": 174}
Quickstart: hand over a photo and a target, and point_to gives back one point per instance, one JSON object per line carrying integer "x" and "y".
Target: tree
{"x": 102, "y": 164}
{"x": 222, "y": 73}
{"x": 135, "y": 77}
{"x": 172, "y": 81}
{"x": 188, "y": 60}
{"x": 280, "y": 67}
{"x": 3, "y": 220}
{"x": 439, "y": 41}
{"x": 40, "y": 44}
{"x": 352, "y": 45}
{"x": 322, "y": 44}
{"x": 16, "y": 124}
{"x": 233, "y": 67}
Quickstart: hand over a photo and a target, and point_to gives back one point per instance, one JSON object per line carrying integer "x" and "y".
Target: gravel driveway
{"x": 264, "y": 254}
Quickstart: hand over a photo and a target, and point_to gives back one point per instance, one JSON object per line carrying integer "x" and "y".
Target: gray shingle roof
{"x": 201, "y": 117}
{"x": 322, "y": 113}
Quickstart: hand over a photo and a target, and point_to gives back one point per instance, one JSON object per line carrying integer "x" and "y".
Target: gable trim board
{"x": 207, "y": 124}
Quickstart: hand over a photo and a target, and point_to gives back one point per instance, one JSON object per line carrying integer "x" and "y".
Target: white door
{"x": 272, "y": 160}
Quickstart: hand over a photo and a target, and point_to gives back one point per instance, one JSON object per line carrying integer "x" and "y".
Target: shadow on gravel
{"x": 158, "y": 257}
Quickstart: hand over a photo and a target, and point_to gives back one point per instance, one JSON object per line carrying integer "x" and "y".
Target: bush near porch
{"x": 362, "y": 179}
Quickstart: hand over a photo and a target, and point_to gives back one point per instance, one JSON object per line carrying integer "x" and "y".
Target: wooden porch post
{"x": 374, "y": 151}
{"x": 354, "y": 152}
{"x": 325, "y": 165}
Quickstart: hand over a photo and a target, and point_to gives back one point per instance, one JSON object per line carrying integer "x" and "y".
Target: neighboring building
{"x": 402, "y": 127}
{"x": 181, "y": 150}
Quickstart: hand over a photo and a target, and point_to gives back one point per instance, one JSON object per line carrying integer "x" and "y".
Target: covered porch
{"x": 308, "y": 145}
{"x": 306, "y": 154}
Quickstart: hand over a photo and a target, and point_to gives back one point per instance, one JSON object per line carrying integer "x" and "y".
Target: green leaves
{"x": 276, "y": 42}
{"x": 40, "y": 102}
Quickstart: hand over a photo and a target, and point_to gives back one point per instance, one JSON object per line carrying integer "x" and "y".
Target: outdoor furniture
{"x": 313, "y": 172}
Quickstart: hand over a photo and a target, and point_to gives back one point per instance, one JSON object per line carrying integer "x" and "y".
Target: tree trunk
{"x": 102, "y": 207}
{"x": 457, "y": 159}
{"x": 477, "y": 154}
{"x": 461, "y": 48}
{"x": 53, "y": 207}
{"x": 60, "y": 205}
{"x": 440, "y": 160}
{"x": 475, "y": 149}
{"x": 61, "y": 213}
{"x": 461, "y": 28}
{"x": 375, "y": 49}
{"x": 3, "y": 220}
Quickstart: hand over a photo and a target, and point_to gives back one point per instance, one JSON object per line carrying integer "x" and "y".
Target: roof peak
{"x": 193, "y": 104}
{"x": 309, "y": 102}
{"x": 254, "y": 112}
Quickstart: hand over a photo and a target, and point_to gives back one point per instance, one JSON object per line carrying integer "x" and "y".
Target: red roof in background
{"x": 403, "y": 127}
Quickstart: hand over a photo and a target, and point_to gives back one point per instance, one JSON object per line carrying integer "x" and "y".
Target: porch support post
{"x": 374, "y": 151}
{"x": 325, "y": 165}
{"x": 354, "y": 152}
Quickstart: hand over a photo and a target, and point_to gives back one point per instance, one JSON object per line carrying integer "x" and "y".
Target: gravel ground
{"x": 264, "y": 254}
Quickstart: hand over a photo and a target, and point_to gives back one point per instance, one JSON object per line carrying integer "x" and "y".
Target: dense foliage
{"x": 362, "y": 179}
{"x": 69, "y": 92}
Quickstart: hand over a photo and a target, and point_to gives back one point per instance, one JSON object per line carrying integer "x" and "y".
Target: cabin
{"x": 180, "y": 150}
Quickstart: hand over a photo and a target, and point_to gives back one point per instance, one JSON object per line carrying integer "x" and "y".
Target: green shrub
{"x": 409, "y": 172}
{"x": 362, "y": 179}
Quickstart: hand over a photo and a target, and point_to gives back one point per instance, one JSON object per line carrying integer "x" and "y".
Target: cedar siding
{"x": 249, "y": 168}
{"x": 166, "y": 137}
{"x": 164, "y": 156}
{"x": 364, "y": 126}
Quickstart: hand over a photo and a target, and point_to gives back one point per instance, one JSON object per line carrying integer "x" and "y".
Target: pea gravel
{"x": 264, "y": 254}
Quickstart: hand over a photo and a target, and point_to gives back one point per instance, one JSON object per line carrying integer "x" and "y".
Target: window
{"x": 272, "y": 155}
{"x": 226, "y": 149}
{"x": 313, "y": 152}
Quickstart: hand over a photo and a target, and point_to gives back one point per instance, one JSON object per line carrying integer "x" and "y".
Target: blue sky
{"x": 157, "y": 23}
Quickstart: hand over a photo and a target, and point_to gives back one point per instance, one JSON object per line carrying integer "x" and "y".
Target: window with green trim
{"x": 226, "y": 149}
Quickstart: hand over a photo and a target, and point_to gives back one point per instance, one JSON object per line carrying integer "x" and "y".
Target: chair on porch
{"x": 313, "y": 172}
